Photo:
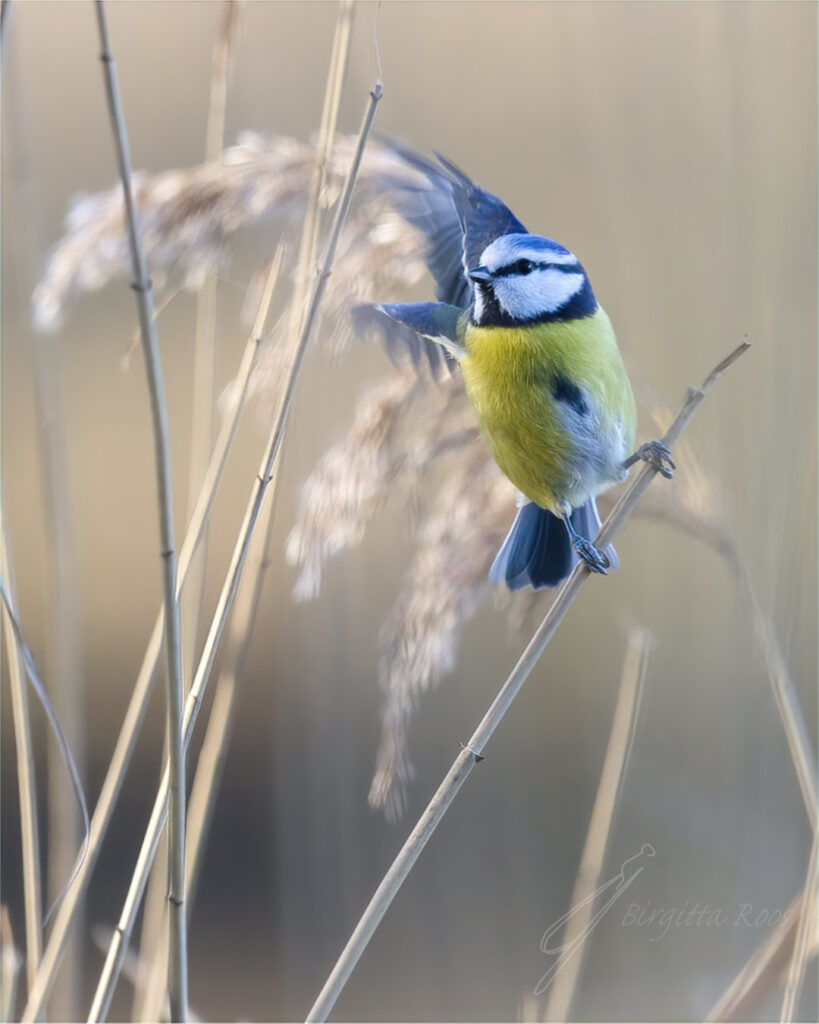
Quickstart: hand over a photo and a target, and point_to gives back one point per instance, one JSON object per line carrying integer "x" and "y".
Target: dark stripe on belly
{"x": 566, "y": 391}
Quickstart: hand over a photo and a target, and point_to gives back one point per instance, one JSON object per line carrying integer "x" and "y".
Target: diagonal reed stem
{"x": 204, "y": 346}
{"x": 804, "y": 941}
{"x": 565, "y": 972}
{"x": 209, "y": 766}
{"x": 178, "y": 960}
{"x": 215, "y": 743}
{"x": 117, "y": 950}
{"x": 26, "y": 778}
{"x": 135, "y": 712}
{"x": 472, "y": 753}
{"x": 201, "y": 442}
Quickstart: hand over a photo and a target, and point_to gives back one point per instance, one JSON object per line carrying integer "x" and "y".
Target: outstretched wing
{"x": 457, "y": 219}
{"x": 424, "y": 329}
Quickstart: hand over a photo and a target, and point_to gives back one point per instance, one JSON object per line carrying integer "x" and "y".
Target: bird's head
{"x": 529, "y": 279}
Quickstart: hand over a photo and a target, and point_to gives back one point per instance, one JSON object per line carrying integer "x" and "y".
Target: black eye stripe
{"x": 523, "y": 267}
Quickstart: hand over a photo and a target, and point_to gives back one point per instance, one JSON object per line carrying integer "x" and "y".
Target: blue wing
{"x": 457, "y": 220}
{"x": 427, "y": 329}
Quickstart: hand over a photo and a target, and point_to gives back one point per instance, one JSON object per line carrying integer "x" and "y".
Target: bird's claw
{"x": 658, "y": 455}
{"x": 593, "y": 558}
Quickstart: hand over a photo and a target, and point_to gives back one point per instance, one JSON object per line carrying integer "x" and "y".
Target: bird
{"x": 517, "y": 313}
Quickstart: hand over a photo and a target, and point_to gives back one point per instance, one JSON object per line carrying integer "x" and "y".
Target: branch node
{"x": 478, "y": 757}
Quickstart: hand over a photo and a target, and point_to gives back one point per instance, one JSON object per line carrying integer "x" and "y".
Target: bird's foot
{"x": 592, "y": 557}
{"x": 657, "y": 455}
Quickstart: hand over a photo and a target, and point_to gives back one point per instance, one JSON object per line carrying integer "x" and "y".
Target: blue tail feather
{"x": 538, "y": 552}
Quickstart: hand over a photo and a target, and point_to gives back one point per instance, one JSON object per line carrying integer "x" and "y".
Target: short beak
{"x": 480, "y": 275}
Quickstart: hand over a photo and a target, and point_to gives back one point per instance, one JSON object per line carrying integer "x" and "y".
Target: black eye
{"x": 524, "y": 267}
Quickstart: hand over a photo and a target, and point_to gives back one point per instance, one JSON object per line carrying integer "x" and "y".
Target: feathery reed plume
{"x": 189, "y": 217}
{"x": 394, "y": 433}
{"x": 443, "y": 585}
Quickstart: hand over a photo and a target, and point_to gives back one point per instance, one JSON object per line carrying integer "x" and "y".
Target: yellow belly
{"x": 553, "y": 456}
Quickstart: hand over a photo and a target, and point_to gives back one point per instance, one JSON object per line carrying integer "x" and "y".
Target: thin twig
{"x": 566, "y": 969}
{"x": 805, "y": 940}
{"x": 178, "y": 960}
{"x": 26, "y": 780}
{"x": 142, "y": 688}
{"x": 118, "y": 947}
{"x": 472, "y": 753}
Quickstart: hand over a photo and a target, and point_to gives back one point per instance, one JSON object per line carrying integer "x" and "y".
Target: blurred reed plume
{"x": 403, "y": 428}
{"x": 190, "y": 215}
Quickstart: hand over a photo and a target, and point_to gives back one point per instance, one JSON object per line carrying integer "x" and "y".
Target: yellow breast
{"x": 550, "y": 454}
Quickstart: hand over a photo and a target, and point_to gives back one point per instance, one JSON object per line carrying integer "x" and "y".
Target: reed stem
{"x": 26, "y": 778}
{"x": 565, "y": 972}
{"x": 178, "y": 960}
{"x": 118, "y": 947}
{"x": 472, "y": 753}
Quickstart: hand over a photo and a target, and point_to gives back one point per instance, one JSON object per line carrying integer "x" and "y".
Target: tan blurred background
{"x": 671, "y": 145}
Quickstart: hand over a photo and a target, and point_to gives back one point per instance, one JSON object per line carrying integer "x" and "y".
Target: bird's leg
{"x": 657, "y": 454}
{"x": 592, "y": 557}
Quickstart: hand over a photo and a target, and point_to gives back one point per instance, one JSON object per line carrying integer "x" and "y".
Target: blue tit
{"x": 540, "y": 364}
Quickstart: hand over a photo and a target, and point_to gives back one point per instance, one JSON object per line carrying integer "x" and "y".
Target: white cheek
{"x": 480, "y": 306}
{"x": 542, "y": 291}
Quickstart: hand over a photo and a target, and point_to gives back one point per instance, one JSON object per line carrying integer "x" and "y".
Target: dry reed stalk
{"x": 133, "y": 969}
{"x": 139, "y": 698}
{"x": 204, "y": 347}
{"x": 204, "y": 359}
{"x": 305, "y": 263}
{"x": 62, "y": 657}
{"x": 149, "y": 979}
{"x": 26, "y": 778}
{"x": 804, "y": 944}
{"x": 178, "y": 959}
{"x": 208, "y": 772}
{"x": 564, "y": 974}
{"x": 762, "y": 970}
{"x": 118, "y": 946}
{"x": 10, "y": 963}
{"x": 61, "y": 646}
{"x": 217, "y": 735}
{"x": 472, "y": 753}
